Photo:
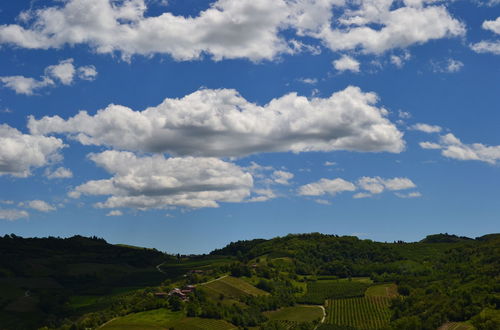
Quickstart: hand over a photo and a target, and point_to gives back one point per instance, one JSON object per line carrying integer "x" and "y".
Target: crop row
{"x": 319, "y": 291}
{"x": 361, "y": 313}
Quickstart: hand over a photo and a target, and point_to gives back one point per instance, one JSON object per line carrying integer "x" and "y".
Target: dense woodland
{"x": 79, "y": 283}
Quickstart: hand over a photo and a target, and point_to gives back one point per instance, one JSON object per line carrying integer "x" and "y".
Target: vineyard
{"x": 296, "y": 314}
{"x": 361, "y": 313}
{"x": 319, "y": 291}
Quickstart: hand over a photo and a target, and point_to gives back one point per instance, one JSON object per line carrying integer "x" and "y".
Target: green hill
{"x": 79, "y": 283}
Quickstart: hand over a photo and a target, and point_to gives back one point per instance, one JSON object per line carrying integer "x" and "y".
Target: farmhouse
{"x": 182, "y": 293}
{"x": 177, "y": 292}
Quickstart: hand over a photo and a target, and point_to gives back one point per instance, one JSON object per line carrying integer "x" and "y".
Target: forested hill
{"x": 443, "y": 277}
{"x": 53, "y": 253}
{"x": 349, "y": 255}
{"x": 82, "y": 264}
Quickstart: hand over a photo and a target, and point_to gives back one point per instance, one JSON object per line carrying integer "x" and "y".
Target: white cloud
{"x": 323, "y": 201}
{"x": 156, "y": 182}
{"x": 327, "y": 163}
{"x": 452, "y": 147}
{"x": 377, "y": 185}
{"x": 262, "y": 195}
{"x": 228, "y": 29}
{"x": 454, "y": 65}
{"x": 429, "y": 145}
{"x": 38, "y": 205}
{"x": 326, "y": 186}
{"x": 346, "y": 63}
{"x": 492, "y": 46}
{"x": 24, "y": 85}
{"x": 362, "y": 195}
{"x": 64, "y": 72}
{"x": 426, "y": 128}
{"x": 400, "y": 27}
{"x": 413, "y": 194}
{"x": 22, "y": 152}
{"x": 309, "y": 81}
{"x": 399, "y": 60}
{"x": 487, "y": 47}
{"x": 404, "y": 114}
{"x": 222, "y": 123}
{"x": 493, "y": 2}
{"x": 233, "y": 28}
{"x": 114, "y": 213}
{"x": 88, "y": 72}
{"x": 448, "y": 66}
{"x": 59, "y": 173}
{"x": 493, "y": 26}
{"x": 258, "y": 170}
{"x": 12, "y": 214}
{"x": 399, "y": 184}
{"x": 282, "y": 177}
{"x": 370, "y": 185}
{"x": 373, "y": 185}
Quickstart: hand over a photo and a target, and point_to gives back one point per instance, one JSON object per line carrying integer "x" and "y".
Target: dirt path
{"x": 159, "y": 269}
{"x": 324, "y": 314}
{"x": 102, "y": 325}
{"x": 220, "y": 278}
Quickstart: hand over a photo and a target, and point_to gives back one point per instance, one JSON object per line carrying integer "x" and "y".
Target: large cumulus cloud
{"x": 221, "y": 122}
{"x": 156, "y": 182}
{"x": 249, "y": 29}
{"x": 20, "y": 153}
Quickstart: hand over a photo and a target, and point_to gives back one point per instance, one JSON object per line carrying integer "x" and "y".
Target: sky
{"x": 184, "y": 125}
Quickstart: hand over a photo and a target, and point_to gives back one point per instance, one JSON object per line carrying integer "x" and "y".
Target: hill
{"x": 80, "y": 282}
{"x": 445, "y": 238}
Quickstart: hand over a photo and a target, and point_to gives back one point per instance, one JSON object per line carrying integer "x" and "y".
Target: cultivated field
{"x": 319, "y": 291}
{"x": 151, "y": 320}
{"x": 296, "y": 314}
{"x": 161, "y": 319}
{"x": 196, "y": 323}
{"x": 361, "y": 312}
{"x": 232, "y": 287}
{"x": 382, "y": 290}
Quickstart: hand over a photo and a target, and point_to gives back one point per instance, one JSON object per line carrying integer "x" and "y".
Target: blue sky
{"x": 184, "y": 125}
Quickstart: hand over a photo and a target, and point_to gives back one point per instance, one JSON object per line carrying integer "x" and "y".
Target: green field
{"x": 365, "y": 280}
{"x": 361, "y": 313}
{"x": 296, "y": 314}
{"x": 150, "y": 320}
{"x": 382, "y": 290}
{"x": 232, "y": 287}
{"x": 196, "y": 323}
{"x": 319, "y": 291}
